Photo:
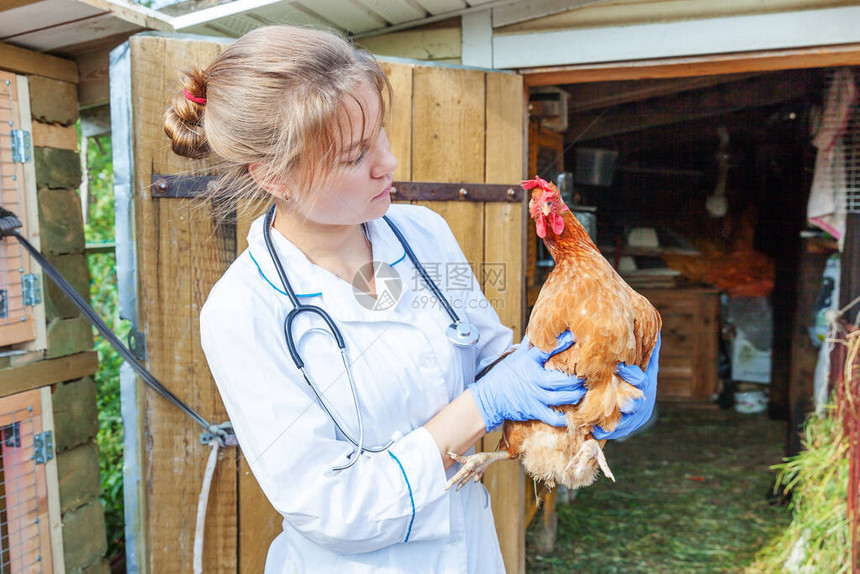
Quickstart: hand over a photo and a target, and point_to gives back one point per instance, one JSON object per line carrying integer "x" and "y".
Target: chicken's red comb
{"x": 536, "y": 182}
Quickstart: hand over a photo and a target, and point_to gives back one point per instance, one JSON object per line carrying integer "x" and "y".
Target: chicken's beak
{"x": 546, "y": 208}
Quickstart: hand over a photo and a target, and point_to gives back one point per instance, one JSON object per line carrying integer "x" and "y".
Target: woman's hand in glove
{"x": 519, "y": 388}
{"x": 639, "y": 411}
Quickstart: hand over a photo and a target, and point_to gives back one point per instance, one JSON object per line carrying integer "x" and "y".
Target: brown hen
{"x": 610, "y": 322}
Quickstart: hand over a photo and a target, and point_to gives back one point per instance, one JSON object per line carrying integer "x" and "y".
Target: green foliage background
{"x": 105, "y": 300}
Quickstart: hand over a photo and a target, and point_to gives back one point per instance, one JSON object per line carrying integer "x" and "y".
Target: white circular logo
{"x": 390, "y": 286}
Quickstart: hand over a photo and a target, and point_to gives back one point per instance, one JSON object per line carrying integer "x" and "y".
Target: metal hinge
{"x": 43, "y": 445}
{"x": 22, "y": 146}
{"x": 4, "y": 307}
{"x": 32, "y": 289}
{"x": 137, "y": 344}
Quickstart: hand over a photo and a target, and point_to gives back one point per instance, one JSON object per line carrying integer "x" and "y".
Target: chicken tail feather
{"x": 603, "y": 403}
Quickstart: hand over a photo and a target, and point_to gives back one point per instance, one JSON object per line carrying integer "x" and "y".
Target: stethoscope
{"x": 460, "y": 333}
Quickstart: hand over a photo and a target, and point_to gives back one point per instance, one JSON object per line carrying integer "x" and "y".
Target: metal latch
{"x": 22, "y": 146}
{"x": 43, "y": 445}
{"x": 32, "y": 289}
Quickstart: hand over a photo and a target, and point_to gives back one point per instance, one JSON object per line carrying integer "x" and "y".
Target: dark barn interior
{"x": 699, "y": 187}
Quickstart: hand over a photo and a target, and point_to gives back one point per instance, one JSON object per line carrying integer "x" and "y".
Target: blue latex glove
{"x": 640, "y": 410}
{"x": 519, "y": 388}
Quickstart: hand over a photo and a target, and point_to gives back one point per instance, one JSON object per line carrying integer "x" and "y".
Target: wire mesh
{"x": 840, "y": 125}
{"x": 20, "y": 541}
{"x": 12, "y": 306}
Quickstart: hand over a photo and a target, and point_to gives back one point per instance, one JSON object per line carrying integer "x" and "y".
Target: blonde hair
{"x": 274, "y": 96}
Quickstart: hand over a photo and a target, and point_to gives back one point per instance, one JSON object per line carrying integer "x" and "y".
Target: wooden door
{"x": 450, "y": 125}
{"x": 25, "y": 521}
{"x": 17, "y": 323}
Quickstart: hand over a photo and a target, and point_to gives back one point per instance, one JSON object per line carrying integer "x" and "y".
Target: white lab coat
{"x": 390, "y": 513}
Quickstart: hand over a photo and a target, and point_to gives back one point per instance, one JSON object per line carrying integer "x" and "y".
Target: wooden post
{"x": 849, "y": 282}
{"x": 179, "y": 255}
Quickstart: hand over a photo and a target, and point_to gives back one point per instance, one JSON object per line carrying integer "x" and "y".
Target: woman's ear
{"x": 261, "y": 173}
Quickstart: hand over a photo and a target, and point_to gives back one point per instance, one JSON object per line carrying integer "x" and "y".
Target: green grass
{"x": 690, "y": 497}
{"x": 818, "y": 538}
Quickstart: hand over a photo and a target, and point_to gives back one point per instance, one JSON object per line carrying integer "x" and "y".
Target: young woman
{"x": 297, "y": 116}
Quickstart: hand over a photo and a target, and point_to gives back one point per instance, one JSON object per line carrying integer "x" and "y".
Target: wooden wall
{"x": 450, "y": 125}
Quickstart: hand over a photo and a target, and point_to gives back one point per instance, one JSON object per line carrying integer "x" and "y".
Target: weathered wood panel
{"x": 503, "y": 282}
{"x": 467, "y": 126}
{"x": 180, "y": 256}
{"x": 399, "y": 127}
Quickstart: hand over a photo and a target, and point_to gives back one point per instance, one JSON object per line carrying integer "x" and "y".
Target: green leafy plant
{"x": 105, "y": 300}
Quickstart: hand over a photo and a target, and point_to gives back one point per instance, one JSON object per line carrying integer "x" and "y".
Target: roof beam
{"x": 723, "y": 99}
{"x": 23, "y": 61}
{"x": 585, "y": 97}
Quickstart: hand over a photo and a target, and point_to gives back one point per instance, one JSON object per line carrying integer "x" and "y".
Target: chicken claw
{"x": 473, "y": 466}
{"x": 590, "y": 449}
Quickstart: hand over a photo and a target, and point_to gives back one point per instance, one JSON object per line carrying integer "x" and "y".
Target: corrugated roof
{"x": 357, "y": 17}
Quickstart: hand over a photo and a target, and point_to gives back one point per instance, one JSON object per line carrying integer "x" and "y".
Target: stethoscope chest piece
{"x": 463, "y": 334}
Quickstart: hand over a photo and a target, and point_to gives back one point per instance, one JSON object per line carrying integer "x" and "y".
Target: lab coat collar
{"x": 315, "y": 285}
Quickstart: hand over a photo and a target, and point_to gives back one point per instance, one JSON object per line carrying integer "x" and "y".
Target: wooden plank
{"x": 58, "y": 137}
{"x": 734, "y": 63}
{"x": 504, "y": 250}
{"x": 42, "y": 15}
{"x": 259, "y": 522}
{"x": 448, "y": 125}
{"x": 90, "y": 29}
{"x": 31, "y": 225}
{"x": 465, "y": 220}
{"x": 146, "y": 58}
{"x": 48, "y": 372}
{"x": 179, "y": 257}
{"x": 54, "y": 519}
{"x": 399, "y": 128}
{"x": 25, "y": 61}
{"x": 707, "y": 347}
{"x": 11, "y": 4}
{"x": 211, "y": 250}
{"x": 189, "y": 263}
{"x": 849, "y": 283}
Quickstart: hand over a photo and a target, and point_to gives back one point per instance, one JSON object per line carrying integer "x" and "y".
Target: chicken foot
{"x": 473, "y": 466}
{"x": 590, "y": 449}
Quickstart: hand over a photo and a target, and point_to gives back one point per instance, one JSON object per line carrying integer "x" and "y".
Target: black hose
{"x": 9, "y": 222}
{"x": 9, "y": 225}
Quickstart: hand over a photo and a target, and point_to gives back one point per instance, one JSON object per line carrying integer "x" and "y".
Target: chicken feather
{"x": 610, "y": 322}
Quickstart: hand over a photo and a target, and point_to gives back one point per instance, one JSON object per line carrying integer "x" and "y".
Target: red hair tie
{"x": 193, "y": 98}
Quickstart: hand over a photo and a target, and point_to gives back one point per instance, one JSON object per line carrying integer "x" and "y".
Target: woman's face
{"x": 359, "y": 187}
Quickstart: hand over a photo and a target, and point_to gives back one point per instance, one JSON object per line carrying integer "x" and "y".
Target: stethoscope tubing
{"x": 299, "y": 308}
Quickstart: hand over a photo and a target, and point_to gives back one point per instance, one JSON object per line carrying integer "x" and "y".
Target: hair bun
{"x": 183, "y": 121}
